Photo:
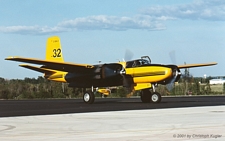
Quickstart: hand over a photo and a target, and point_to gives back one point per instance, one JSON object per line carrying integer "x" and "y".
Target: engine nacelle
{"x": 110, "y": 70}
{"x": 103, "y": 71}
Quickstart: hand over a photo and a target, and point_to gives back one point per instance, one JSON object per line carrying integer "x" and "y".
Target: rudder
{"x": 53, "y": 49}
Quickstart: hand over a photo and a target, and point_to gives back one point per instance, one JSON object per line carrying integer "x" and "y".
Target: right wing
{"x": 196, "y": 65}
{"x": 52, "y": 65}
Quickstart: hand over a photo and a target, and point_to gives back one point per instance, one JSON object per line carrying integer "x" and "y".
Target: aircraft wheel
{"x": 156, "y": 97}
{"x": 145, "y": 96}
{"x": 88, "y": 97}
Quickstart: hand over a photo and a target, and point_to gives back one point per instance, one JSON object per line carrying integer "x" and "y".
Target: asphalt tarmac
{"x": 12, "y": 108}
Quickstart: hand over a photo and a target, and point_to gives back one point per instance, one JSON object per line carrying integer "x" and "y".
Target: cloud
{"x": 33, "y": 30}
{"x": 212, "y": 10}
{"x": 151, "y": 18}
{"x": 103, "y": 22}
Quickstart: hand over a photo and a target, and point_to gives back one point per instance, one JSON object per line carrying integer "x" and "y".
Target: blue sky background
{"x": 100, "y": 30}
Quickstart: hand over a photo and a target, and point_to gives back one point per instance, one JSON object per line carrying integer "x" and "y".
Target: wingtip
{"x": 22, "y": 65}
{"x": 214, "y": 63}
{"x": 8, "y": 58}
{"x": 11, "y": 57}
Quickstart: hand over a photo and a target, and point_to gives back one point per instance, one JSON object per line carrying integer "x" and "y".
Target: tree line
{"x": 39, "y": 88}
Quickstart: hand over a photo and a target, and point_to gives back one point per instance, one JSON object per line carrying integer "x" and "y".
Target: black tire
{"x": 156, "y": 97}
{"x": 88, "y": 97}
{"x": 145, "y": 96}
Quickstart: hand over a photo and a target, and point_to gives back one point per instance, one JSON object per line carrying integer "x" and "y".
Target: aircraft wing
{"x": 196, "y": 65}
{"x": 60, "y": 66}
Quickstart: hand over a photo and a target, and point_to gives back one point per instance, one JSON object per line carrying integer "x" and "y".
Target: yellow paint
{"x": 54, "y": 53}
{"x": 104, "y": 91}
{"x": 58, "y": 76}
{"x": 149, "y": 74}
{"x": 140, "y": 86}
{"x": 123, "y": 64}
{"x": 196, "y": 65}
{"x": 54, "y": 50}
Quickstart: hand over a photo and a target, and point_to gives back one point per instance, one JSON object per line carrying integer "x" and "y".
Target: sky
{"x": 98, "y": 30}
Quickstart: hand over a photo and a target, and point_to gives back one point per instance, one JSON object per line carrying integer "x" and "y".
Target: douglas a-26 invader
{"x": 138, "y": 74}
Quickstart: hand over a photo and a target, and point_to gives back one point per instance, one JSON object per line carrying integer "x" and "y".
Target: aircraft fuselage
{"x": 106, "y": 76}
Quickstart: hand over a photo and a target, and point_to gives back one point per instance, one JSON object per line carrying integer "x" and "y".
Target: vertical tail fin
{"x": 54, "y": 50}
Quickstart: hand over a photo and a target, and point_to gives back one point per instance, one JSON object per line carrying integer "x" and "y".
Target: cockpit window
{"x": 145, "y": 62}
{"x": 146, "y": 59}
{"x": 137, "y": 63}
{"x": 140, "y": 62}
{"x": 129, "y": 64}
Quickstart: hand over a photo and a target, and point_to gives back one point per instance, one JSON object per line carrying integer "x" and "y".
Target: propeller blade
{"x": 127, "y": 79}
{"x": 175, "y": 78}
{"x": 128, "y": 55}
{"x": 173, "y": 56}
{"x": 128, "y": 82}
{"x": 170, "y": 85}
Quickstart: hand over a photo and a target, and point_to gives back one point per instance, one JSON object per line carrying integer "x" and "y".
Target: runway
{"x": 64, "y": 106}
{"x": 176, "y": 118}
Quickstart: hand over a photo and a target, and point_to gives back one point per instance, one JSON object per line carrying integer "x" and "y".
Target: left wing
{"x": 196, "y": 65}
{"x": 53, "y": 65}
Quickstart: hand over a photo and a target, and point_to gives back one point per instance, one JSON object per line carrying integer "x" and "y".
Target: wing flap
{"x": 196, "y": 65}
{"x": 60, "y": 66}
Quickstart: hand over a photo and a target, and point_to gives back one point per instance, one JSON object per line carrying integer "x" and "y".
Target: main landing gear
{"x": 89, "y": 97}
{"x": 147, "y": 96}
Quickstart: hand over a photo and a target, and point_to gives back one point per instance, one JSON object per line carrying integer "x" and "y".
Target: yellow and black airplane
{"x": 138, "y": 74}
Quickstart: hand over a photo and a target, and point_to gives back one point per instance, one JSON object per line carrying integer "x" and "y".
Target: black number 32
{"x": 57, "y": 53}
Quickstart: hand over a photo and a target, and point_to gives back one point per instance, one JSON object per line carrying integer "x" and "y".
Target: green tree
{"x": 122, "y": 92}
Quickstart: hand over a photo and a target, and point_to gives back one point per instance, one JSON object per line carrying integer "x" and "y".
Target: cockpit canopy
{"x": 145, "y": 60}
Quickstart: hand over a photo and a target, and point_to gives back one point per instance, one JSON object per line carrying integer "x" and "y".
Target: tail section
{"x": 54, "y": 50}
{"x": 53, "y": 53}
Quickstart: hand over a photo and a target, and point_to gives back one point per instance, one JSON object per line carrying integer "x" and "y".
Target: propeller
{"x": 170, "y": 85}
{"x": 172, "y": 55}
{"x": 175, "y": 69}
{"x": 127, "y": 79}
{"x": 175, "y": 77}
{"x": 128, "y": 55}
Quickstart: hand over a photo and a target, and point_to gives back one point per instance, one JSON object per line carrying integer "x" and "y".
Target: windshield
{"x": 137, "y": 63}
{"x": 145, "y": 62}
{"x": 146, "y": 59}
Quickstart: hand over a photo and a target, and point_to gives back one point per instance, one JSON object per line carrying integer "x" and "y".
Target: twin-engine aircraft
{"x": 138, "y": 74}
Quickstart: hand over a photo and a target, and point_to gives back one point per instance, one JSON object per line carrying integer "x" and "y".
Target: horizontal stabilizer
{"x": 38, "y": 69}
{"x": 196, "y": 65}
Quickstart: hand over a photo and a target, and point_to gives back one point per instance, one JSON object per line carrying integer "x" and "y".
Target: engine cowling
{"x": 111, "y": 70}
